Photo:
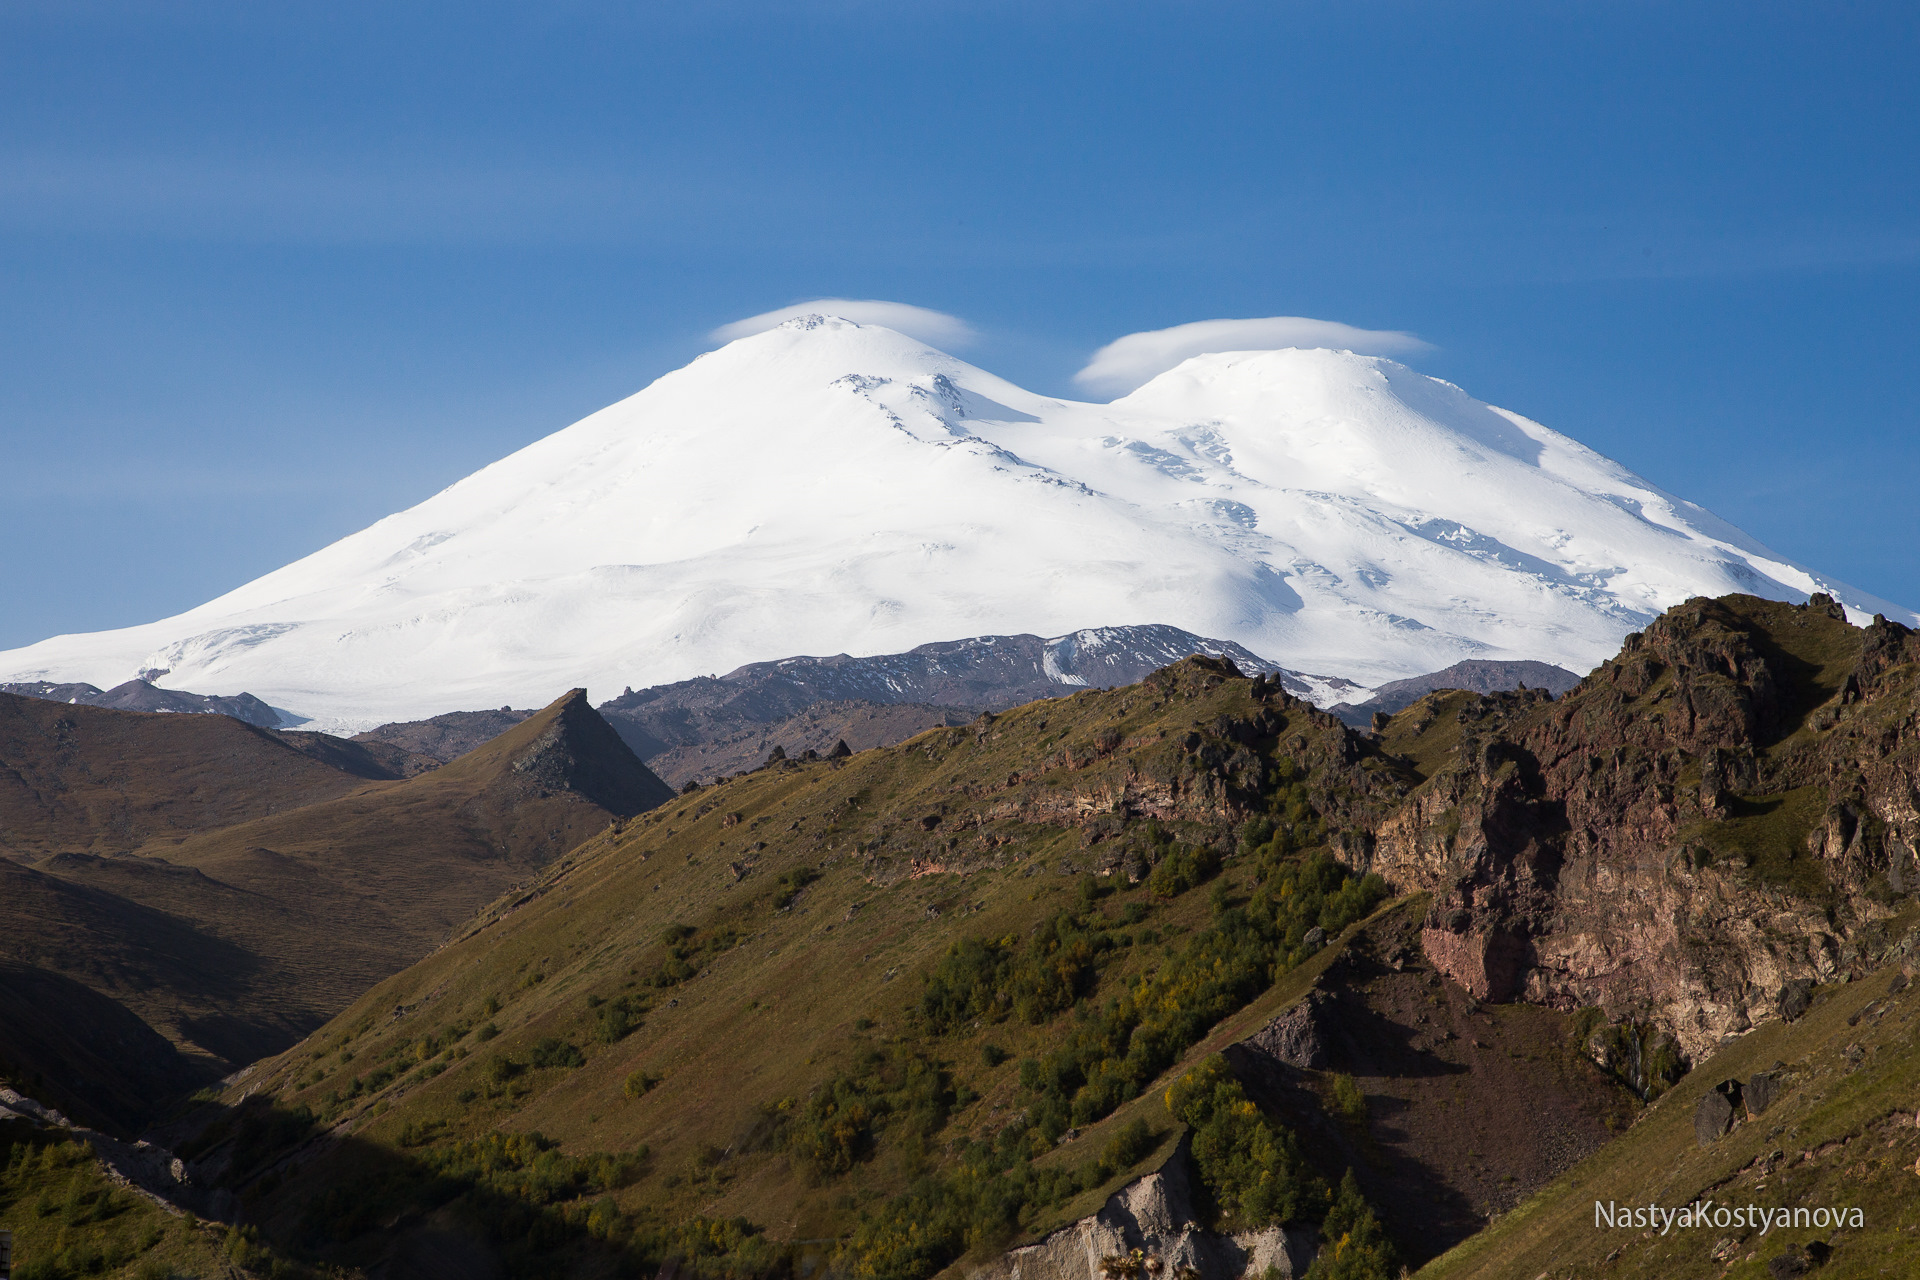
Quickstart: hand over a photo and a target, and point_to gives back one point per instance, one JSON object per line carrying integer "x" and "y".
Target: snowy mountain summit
{"x": 828, "y": 487}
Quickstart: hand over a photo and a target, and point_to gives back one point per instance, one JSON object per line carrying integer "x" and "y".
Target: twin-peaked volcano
{"x": 830, "y": 487}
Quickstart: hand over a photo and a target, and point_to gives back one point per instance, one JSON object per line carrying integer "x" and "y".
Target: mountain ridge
{"x": 831, "y": 487}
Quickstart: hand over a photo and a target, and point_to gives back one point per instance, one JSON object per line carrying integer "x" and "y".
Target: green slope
{"x": 743, "y": 1007}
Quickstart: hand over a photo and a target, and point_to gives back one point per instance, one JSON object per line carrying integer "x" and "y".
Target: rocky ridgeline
{"x": 1720, "y": 812}
{"x": 143, "y": 695}
{"x": 1078, "y": 764}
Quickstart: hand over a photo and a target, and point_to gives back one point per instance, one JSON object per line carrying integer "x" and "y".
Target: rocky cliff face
{"x": 1195, "y": 748}
{"x": 1726, "y": 807}
{"x": 1148, "y": 1230}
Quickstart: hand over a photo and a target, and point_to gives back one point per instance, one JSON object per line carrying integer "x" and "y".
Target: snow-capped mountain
{"x": 829, "y": 487}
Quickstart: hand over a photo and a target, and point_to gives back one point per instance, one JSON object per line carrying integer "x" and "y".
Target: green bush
{"x": 991, "y": 979}
{"x": 687, "y": 949}
{"x": 552, "y": 1051}
{"x": 1180, "y": 869}
{"x": 616, "y": 1019}
{"x": 1353, "y": 1246}
{"x": 1139, "y": 1033}
{"x": 1128, "y": 1147}
{"x": 789, "y": 885}
{"x": 1250, "y": 1166}
{"x": 1345, "y": 1100}
{"x": 835, "y": 1126}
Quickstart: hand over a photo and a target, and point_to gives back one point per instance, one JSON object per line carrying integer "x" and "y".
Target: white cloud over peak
{"x": 936, "y": 328}
{"x": 1126, "y": 363}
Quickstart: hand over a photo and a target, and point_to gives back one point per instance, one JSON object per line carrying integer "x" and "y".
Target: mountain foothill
{"x": 1180, "y": 969}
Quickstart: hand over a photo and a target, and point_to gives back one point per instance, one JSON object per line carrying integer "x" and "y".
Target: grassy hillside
{"x": 832, "y": 1001}
{"x": 91, "y": 780}
{"x": 68, "y": 1219}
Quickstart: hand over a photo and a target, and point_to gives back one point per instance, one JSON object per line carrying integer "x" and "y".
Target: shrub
{"x": 835, "y": 1126}
{"x": 789, "y": 885}
{"x": 1250, "y": 1166}
{"x": 552, "y": 1051}
{"x": 985, "y": 978}
{"x": 1181, "y": 868}
{"x": 1345, "y": 1099}
{"x": 1127, "y": 1147}
{"x": 687, "y": 948}
{"x": 618, "y": 1018}
{"x": 1354, "y": 1245}
{"x": 639, "y": 1084}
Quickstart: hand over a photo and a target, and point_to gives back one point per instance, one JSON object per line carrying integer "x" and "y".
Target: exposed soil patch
{"x": 1470, "y": 1107}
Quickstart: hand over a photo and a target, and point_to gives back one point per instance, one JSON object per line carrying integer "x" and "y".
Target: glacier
{"x": 827, "y": 486}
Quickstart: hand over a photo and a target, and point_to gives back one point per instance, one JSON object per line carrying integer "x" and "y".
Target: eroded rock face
{"x": 1155, "y": 1215}
{"x": 1703, "y": 824}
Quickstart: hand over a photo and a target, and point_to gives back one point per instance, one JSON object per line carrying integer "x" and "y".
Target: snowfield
{"x": 829, "y": 487}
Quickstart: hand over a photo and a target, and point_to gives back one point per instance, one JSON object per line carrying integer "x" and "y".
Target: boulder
{"x": 1760, "y": 1092}
{"x": 1298, "y": 1036}
{"x": 1713, "y": 1116}
{"x": 1795, "y": 999}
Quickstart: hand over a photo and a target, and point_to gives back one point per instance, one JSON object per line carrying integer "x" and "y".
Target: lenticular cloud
{"x": 1132, "y": 361}
{"x": 936, "y": 328}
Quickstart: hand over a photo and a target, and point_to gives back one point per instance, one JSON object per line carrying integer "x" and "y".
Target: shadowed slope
{"x": 334, "y": 896}
{"x": 98, "y": 780}
{"x": 233, "y": 942}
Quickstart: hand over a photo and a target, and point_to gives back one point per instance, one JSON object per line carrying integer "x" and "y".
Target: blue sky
{"x": 268, "y": 273}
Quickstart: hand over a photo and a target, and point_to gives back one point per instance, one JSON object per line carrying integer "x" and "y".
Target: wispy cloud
{"x": 1126, "y": 363}
{"x": 934, "y": 327}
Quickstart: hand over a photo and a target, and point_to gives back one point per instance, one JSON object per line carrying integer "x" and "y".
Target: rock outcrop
{"x": 1147, "y": 1230}
{"x": 1709, "y": 819}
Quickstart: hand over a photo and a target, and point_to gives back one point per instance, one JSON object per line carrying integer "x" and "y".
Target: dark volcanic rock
{"x": 1475, "y": 675}
{"x": 1297, "y": 1037}
{"x": 860, "y": 724}
{"x": 1713, "y": 1115}
{"x": 1760, "y": 1091}
{"x": 84, "y": 694}
{"x": 142, "y": 695}
{"x": 1443, "y": 1141}
{"x": 980, "y": 673}
{"x": 446, "y": 737}
{"x": 1795, "y": 999}
{"x": 375, "y": 760}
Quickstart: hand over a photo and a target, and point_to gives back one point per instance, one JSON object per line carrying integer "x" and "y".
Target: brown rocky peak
{"x": 569, "y": 747}
{"x": 1739, "y": 760}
